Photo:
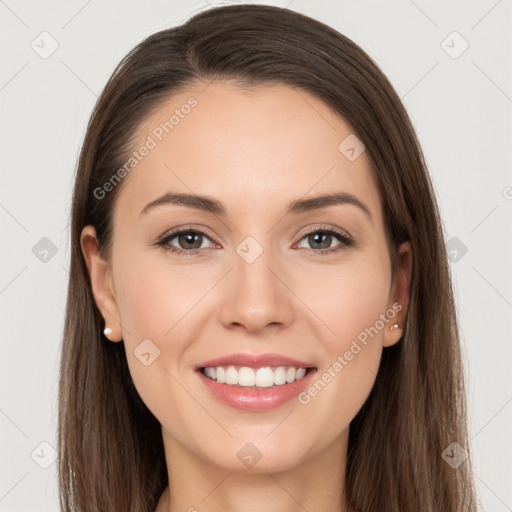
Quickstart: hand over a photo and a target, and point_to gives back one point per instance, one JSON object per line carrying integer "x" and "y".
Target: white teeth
{"x": 231, "y": 375}
{"x": 280, "y": 376}
{"x": 300, "y": 373}
{"x": 264, "y": 377}
{"x": 221, "y": 375}
{"x": 246, "y": 376}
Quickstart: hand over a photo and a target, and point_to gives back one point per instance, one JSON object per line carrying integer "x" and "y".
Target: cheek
{"x": 352, "y": 303}
{"x": 350, "y": 297}
{"x": 153, "y": 296}
{"x": 156, "y": 306}
{"x": 358, "y": 315}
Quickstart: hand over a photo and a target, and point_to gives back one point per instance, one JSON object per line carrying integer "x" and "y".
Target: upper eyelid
{"x": 174, "y": 233}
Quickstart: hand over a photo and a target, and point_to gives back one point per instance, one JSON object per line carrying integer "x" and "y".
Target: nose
{"x": 256, "y": 296}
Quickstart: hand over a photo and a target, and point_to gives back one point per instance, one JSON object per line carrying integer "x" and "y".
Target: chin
{"x": 258, "y": 457}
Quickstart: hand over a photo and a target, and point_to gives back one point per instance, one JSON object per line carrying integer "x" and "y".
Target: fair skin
{"x": 254, "y": 150}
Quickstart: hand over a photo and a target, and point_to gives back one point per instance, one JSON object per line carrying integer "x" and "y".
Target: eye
{"x": 321, "y": 240}
{"x": 190, "y": 240}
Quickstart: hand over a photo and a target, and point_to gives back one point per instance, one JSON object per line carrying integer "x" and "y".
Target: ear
{"x": 101, "y": 283}
{"x": 399, "y": 295}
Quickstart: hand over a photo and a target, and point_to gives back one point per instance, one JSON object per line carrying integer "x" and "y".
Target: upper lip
{"x": 255, "y": 361}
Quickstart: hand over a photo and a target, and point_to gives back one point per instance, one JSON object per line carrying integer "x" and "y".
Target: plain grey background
{"x": 449, "y": 62}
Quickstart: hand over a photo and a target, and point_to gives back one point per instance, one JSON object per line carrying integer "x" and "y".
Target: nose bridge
{"x": 252, "y": 262}
{"x": 255, "y": 296}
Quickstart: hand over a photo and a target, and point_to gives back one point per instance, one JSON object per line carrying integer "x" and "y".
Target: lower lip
{"x": 256, "y": 399}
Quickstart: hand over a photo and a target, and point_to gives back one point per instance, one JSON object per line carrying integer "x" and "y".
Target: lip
{"x": 255, "y": 361}
{"x": 252, "y": 399}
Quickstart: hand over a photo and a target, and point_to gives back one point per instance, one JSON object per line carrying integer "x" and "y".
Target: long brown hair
{"x": 111, "y": 454}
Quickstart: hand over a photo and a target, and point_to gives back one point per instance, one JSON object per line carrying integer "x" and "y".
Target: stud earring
{"x": 395, "y": 326}
{"x": 107, "y": 331}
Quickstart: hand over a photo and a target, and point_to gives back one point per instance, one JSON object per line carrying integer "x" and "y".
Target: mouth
{"x": 255, "y": 383}
{"x": 257, "y": 378}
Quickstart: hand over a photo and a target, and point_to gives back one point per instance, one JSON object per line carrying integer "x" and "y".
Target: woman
{"x": 260, "y": 312}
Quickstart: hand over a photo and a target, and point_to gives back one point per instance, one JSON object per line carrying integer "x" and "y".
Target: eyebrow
{"x": 210, "y": 205}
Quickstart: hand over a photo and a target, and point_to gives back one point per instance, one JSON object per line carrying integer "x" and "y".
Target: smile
{"x": 255, "y": 382}
{"x": 245, "y": 376}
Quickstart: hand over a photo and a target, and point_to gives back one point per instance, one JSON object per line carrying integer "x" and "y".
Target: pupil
{"x": 189, "y": 238}
{"x": 318, "y": 236}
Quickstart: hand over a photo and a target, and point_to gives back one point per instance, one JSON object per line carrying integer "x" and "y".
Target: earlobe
{"x": 100, "y": 276}
{"x": 399, "y": 297}
{"x": 393, "y": 335}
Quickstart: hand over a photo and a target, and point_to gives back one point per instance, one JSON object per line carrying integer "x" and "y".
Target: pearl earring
{"x": 395, "y": 326}
{"x": 107, "y": 331}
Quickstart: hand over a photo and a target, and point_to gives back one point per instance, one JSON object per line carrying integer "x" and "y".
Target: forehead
{"x": 253, "y": 148}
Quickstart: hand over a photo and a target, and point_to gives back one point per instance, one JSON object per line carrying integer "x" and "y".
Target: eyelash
{"x": 343, "y": 238}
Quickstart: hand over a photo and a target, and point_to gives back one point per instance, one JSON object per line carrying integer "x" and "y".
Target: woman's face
{"x": 266, "y": 274}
